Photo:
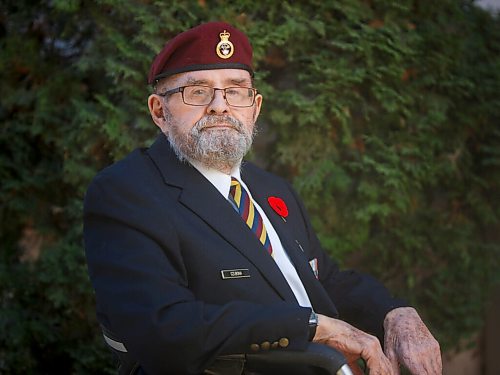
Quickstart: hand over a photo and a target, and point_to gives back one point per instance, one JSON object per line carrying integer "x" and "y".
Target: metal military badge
{"x": 225, "y": 48}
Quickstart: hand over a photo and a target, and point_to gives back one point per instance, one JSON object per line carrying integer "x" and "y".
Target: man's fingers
{"x": 379, "y": 366}
{"x": 375, "y": 358}
{"x": 356, "y": 370}
{"x": 427, "y": 364}
{"x": 433, "y": 365}
{"x": 390, "y": 352}
{"x": 438, "y": 365}
{"x": 393, "y": 360}
{"x": 354, "y": 343}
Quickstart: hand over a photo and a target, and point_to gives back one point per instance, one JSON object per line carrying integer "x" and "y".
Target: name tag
{"x": 235, "y": 274}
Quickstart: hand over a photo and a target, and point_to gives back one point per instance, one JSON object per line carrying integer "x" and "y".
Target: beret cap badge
{"x": 225, "y": 48}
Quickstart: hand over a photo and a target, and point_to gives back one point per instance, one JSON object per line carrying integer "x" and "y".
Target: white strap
{"x": 115, "y": 344}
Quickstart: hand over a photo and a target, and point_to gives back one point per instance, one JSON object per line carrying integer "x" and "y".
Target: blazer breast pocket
{"x": 314, "y": 266}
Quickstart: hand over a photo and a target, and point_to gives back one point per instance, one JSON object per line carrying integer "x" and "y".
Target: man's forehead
{"x": 214, "y": 77}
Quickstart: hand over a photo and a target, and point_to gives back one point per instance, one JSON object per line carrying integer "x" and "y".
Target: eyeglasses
{"x": 203, "y": 95}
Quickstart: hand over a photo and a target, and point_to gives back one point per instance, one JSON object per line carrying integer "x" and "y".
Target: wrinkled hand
{"x": 408, "y": 341}
{"x": 354, "y": 344}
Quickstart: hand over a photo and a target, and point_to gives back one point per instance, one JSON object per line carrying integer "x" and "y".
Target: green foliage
{"x": 383, "y": 114}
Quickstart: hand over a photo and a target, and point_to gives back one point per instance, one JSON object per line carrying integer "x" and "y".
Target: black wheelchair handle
{"x": 316, "y": 355}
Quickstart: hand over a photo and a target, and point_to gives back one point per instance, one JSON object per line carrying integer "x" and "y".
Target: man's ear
{"x": 258, "y": 104}
{"x": 156, "y": 109}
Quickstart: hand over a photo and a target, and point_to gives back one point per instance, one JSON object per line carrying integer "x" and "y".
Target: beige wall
{"x": 491, "y": 341}
{"x": 464, "y": 363}
{"x": 484, "y": 359}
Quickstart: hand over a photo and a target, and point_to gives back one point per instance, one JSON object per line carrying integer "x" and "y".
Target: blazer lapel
{"x": 205, "y": 201}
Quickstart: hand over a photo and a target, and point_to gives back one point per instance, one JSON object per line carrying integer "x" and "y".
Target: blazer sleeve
{"x": 360, "y": 299}
{"x": 143, "y": 296}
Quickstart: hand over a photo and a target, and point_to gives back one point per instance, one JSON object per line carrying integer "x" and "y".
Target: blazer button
{"x": 254, "y": 347}
{"x": 266, "y": 345}
{"x": 283, "y": 342}
{"x": 274, "y": 345}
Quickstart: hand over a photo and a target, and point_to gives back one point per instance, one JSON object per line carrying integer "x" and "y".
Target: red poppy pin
{"x": 278, "y": 205}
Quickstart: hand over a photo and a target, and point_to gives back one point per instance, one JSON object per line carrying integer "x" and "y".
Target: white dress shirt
{"x": 222, "y": 183}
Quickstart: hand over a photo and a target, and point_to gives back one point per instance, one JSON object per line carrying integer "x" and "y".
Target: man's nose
{"x": 218, "y": 105}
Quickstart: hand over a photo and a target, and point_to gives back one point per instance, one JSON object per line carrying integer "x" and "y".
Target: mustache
{"x": 211, "y": 120}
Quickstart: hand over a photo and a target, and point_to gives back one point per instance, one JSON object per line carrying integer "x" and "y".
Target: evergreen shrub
{"x": 383, "y": 114}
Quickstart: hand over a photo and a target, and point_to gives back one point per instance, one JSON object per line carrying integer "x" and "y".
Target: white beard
{"x": 218, "y": 148}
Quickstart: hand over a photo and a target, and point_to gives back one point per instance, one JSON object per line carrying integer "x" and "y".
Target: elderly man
{"x": 194, "y": 253}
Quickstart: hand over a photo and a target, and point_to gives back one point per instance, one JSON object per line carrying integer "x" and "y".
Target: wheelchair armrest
{"x": 318, "y": 356}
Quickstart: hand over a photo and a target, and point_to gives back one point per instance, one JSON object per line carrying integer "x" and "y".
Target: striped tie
{"x": 249, "y": 213}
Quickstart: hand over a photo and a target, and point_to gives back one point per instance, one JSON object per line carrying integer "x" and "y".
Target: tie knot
{"x": 234, "y": 181}
{"x": 235, "y": 188}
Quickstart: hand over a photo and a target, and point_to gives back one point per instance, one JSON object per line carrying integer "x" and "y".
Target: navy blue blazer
{"x": 157, "y": 236}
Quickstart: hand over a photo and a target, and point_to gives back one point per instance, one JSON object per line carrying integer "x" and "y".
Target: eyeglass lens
{"x": 202, "y": 95}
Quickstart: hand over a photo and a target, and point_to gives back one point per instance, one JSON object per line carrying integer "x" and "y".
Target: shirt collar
{"x": 221, "y": 181}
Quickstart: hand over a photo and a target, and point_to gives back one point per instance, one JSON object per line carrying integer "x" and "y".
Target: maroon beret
{"x": 213, "y": 45}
